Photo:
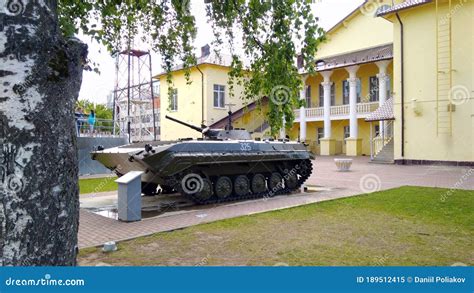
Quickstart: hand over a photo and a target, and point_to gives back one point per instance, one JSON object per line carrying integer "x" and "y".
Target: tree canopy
{"x": 272, "y": 33}
{"x": 101, "y": 110}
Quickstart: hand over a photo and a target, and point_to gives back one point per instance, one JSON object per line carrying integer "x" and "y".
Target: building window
{"x": 389, "y": 86}
{"x": 374, "y": 88}
{"x": 219, "y": 96}
{"x": 333, "y": 94}
{"x": 321, "y": 96}
{"x": 320, "y": 134}
{"x": 156, "y": 89}
{"x": 174, "y": 100}
{"x": 359, "y": 90}
{"x": 347, "y": 132}
{"x": 377, "y": 130}
{"x": 308, "y": 96}
{"x": 346, "y": 91}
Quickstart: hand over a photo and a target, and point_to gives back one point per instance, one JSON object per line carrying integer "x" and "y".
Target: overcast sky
{"x": 96, "y": 87}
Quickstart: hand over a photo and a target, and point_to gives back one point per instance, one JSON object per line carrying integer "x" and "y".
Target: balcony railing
{"x": 367, "y": 107}
{"x": 314, "y": 112}
{"x": 339, "y": 110}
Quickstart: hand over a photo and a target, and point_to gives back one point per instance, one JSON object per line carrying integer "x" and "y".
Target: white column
{"x": 327, "y": 102}
{"x": 353, "y": 101}
{"x": 283, "y": 130}
{"x": 303, "y": 110}
{"x": 382, "y": 79}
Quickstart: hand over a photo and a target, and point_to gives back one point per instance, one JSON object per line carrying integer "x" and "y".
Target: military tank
{"x": 224, "y": 165}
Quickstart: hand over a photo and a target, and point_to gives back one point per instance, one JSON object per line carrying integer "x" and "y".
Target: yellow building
{"x": 415, "y": 58}
{"x": 204, "y": 99}
{"x": 433, "y": 80}
{"x": 408, "y": 63}
{"x": 354, "y": 77}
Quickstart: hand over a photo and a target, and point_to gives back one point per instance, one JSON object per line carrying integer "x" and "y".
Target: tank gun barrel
{"x": 200, "y": 129}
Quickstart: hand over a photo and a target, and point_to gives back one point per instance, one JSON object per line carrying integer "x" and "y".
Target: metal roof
{"x": 383, "y": 52}
{"x": 212, "y": 58}
{"x": 384, "y": 10}
{"x": 384, "y": 112}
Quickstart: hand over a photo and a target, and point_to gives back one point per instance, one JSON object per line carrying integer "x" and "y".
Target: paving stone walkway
{"x": 364, "y": 177}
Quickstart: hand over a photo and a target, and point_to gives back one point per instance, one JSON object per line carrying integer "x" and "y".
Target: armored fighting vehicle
{"x": 225, "y": 165}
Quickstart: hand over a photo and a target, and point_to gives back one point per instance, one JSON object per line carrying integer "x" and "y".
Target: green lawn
{"x": 404, "y": 226}
{"x": 96, "y": 185}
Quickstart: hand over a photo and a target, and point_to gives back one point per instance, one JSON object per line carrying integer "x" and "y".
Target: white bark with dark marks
{"x": 40, "y": 77}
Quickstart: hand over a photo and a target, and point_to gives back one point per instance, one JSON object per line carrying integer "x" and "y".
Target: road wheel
{"x": 223, "y": 187}
{"x": 206, "y": 191}
{"x": 275, "y": 182}
{"x": 291, "y": 181}
{"x": 258, "y": 183}
{"x": 241, "y": 185}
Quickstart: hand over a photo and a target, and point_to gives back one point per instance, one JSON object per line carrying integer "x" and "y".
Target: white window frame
{"x": 220, "y": 91}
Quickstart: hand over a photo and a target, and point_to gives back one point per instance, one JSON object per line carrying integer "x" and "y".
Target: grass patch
{"x": 403, "y": 226}
{"x": 95, "y": 185}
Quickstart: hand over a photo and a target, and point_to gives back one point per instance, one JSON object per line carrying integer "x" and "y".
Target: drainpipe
{"x": 202, "y": 94}
{"x": 402, "y": 94}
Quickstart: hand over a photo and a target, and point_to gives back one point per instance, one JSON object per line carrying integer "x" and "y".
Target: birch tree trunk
{"x": 40, "y": 78}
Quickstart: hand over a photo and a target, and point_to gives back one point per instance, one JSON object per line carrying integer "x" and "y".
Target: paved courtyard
{"x": 364, "y": 177}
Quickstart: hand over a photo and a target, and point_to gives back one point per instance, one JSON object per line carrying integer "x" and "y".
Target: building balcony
{"x": 339, "y": 112}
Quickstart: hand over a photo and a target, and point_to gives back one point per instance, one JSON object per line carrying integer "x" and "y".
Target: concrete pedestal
{"x": 328, "y": 147}
{"x": 353, "y": 146}
{"x": 130, "y": 196}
